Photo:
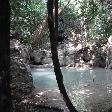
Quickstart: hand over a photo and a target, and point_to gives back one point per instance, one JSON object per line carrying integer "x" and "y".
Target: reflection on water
{"x": 86, "y": 87}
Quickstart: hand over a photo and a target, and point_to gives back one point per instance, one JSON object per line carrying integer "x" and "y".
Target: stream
{"x": 89, "y": 89}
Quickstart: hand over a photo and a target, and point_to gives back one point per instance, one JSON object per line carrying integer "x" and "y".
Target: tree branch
{"x": 43, "y": 26}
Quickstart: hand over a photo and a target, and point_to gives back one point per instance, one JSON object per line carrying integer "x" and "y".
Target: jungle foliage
{"x": 90, "y": 20}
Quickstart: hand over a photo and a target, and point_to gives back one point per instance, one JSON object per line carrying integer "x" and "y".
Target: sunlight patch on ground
{"x": 41, "y": 93}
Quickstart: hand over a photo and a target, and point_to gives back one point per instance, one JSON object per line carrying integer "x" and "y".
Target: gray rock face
{"x": 44, "y": 57}
{"x": 40, "y": 57}
{"x": 48, "y": 58}
{"x": 23, "y": 50}
{"x": 21, "y": 78}
{"x": 74, "y": 55}
{"x": 109, "y": 53}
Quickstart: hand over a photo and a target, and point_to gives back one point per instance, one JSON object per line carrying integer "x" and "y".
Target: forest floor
{"x": 46, "y": 99}
{"x": 97, "y": 98}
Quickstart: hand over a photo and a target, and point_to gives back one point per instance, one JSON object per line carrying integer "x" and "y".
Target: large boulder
{"x": 38, "y": 56}
{"x": 24, "y": 50}
{"x": 48, "y": 58}
{"x": 21, "y": 78}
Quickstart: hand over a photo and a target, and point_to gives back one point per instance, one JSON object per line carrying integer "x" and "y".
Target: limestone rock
{"x": 38, "y": 56}
{"x": 21, "y": 78}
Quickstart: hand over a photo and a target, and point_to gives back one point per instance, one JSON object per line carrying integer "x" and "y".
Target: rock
{"x": 48, "y": 58}
{"x": 108, "y": 49}
{"x": 71, "y": 54}
{"x": 38, "y": 57}
{"x": 17, "y": 48}
{"x": 21, "y": 78}
{"x": 110, "y": 65}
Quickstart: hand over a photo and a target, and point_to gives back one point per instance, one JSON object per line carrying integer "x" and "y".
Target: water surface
{"x": 89, "y": 89}
{"x": 45, "y": 77}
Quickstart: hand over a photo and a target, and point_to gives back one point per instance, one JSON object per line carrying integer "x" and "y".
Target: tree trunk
{"x": 38, "y": 34}
{"x": 53, "y": 40}
{"x": 5, "y": 95}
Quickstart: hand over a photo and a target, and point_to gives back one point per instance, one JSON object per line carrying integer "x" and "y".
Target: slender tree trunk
{"x": 53, "y": 40}
{"x": 5, "y": 95}
{"x": 38, "y": 34}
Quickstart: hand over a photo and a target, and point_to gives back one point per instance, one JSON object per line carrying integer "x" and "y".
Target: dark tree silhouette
{"x": 53, "y": 29}
{"x": 5, "y": 96}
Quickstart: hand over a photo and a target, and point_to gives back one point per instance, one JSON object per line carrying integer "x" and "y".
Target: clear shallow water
{"x": 89, "y": 89}
{"x": 45, "y": 77}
